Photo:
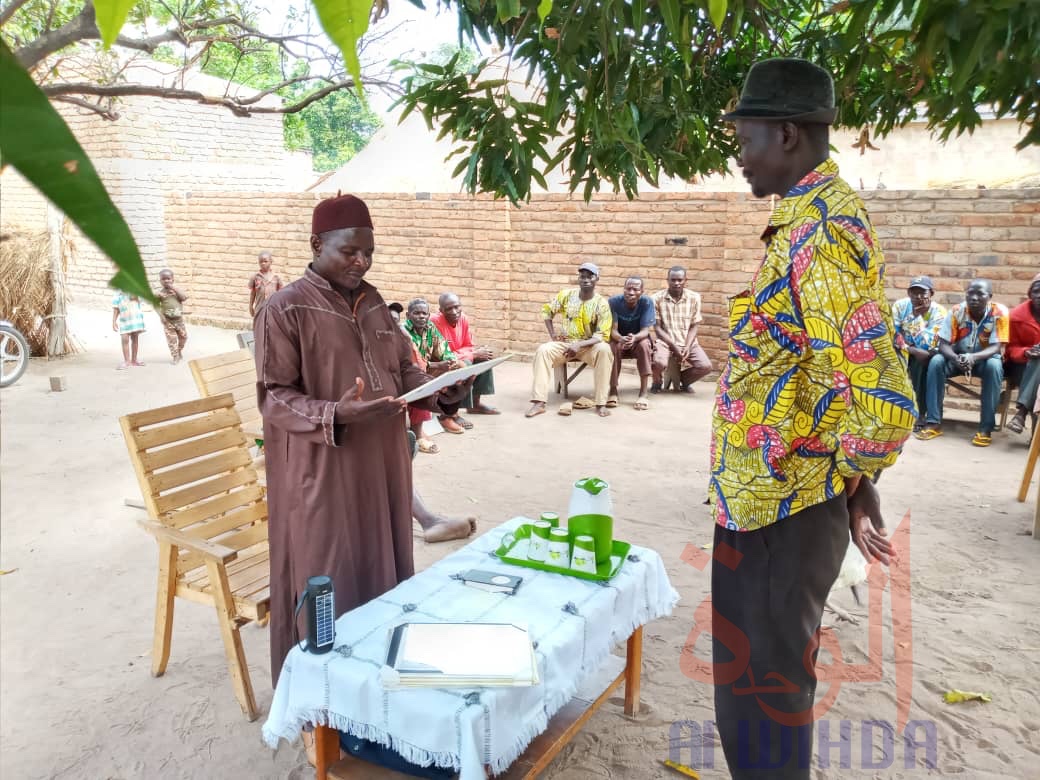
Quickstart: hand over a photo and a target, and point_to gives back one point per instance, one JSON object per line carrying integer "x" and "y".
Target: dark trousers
{"x": 767, "y": 608}
{"x": 1026, "y": 376}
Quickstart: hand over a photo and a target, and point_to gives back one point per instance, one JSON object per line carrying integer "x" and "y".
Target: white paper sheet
{"x": 450, "y": 378}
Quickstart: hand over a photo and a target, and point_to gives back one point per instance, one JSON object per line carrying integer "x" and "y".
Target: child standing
{"x": 128, "y": 322}
{"x": 170, "y": 300}
{"x": 264, "y": 283}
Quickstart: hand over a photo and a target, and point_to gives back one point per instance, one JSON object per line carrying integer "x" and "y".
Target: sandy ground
{"x": 76, "y": 601}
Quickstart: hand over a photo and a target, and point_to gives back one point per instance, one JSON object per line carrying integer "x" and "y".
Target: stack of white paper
{"x": 468, "y": 655}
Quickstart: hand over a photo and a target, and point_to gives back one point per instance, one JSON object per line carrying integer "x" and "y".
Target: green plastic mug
{"x": 583, "y": 555}
{"x": 599, "y": 527}
{"x": 551, "y": 518}
{"x": 538, "y": 546}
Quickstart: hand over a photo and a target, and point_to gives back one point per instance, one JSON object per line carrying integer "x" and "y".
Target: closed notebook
{"x": 442, "y": 655}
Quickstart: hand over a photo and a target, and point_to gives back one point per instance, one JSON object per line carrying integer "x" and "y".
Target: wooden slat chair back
{"x": 208, "y": 513}
{"x": 235, "y": 373}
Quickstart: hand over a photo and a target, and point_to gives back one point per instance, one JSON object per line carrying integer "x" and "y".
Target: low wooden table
{"x": 562, "y": 728}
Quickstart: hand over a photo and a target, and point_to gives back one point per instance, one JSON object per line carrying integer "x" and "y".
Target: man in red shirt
{"x": 454, "y": 326}
{"x": 1023, "y": 354}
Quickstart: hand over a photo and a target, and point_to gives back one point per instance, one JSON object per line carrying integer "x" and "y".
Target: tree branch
{"x": 239, "y": 107}
{"x": 80, "y": 28}
{"x": 103, "y": 112}
{"x": 9, "y": 9}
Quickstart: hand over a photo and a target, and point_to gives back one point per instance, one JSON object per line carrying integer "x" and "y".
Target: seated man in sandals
{"x": 971, "y": 340}
{"x": 678, "y": 313}
{"x": 437, "y": 356}
{"x": 584, "y": 335}
{"x": 1022, "y": 361}
{"x": 453, "y": 324}
{"x": 633, "y": 315}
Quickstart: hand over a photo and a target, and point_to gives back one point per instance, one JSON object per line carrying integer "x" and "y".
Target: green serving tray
{"x": 514, "y": 550}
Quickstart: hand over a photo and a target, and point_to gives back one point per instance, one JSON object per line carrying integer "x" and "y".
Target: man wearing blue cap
{"x": 917, "y": 321}
{"x": 584, "y": 335}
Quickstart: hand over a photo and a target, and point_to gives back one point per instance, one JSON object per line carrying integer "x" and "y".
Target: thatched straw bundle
{"x": 26, "y": 292}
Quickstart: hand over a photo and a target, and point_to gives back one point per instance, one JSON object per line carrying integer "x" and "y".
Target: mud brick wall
{"x": 506, "y": 261}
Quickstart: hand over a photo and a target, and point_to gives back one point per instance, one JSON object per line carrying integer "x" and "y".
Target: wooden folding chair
{"x": 208, "y": 514}
{"x": 563, "y": 379}
{"x": 1027, "y": 476}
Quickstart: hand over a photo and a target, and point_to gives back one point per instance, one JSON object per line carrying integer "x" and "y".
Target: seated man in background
{"x": 437, "y": 355}
{"x": 971, "y": 340}
{"x": 917, "y": 321}
{"x": 678, "y": 313}
{"x": 453, "y": 324}
{"x": 435, "y": 527}
{"x": 633, "y": 315}
{"x": 584, "y": 336}
{"x": 1022, "y": 360}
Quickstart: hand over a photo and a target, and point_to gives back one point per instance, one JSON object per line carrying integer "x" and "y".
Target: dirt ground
{"x": 77, "y": 595}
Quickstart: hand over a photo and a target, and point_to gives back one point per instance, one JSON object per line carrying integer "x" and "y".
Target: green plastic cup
{"x": 551, "y": 518}
{"x": 583, "y": 554}
{"x": 559, "y": 550}
{"x": 538, "y": 547}
{"x": 599, "y": 527}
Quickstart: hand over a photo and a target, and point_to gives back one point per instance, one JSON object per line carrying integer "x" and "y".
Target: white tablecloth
{"x": 574, "y": 623}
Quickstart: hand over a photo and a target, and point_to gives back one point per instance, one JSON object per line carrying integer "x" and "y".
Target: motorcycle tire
{"x": 14, "y": 355}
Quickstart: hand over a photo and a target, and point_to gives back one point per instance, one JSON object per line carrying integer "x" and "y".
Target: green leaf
{"x": 507, "y": 9}
{"x": 717, "y": 11}
{"x": 35, "y": 140}
{"x": 544, "y": 7}
{"x": 110, "y": 15}
{"x": 345, "y": 21}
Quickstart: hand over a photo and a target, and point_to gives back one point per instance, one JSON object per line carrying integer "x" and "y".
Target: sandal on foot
{"x": 1017, "y": 424}
{"x": 655, "y": 388}
{"x": 584, "y": 403}
{"x": 641, "y": 404}
{"x": 482, "y": 409}
{"x": 463, "y": 422}
{"x": 982, "y": 439}
{"x": 602, "y": 411}
{"x": 612, "y": 402}
{"x": 927, "y": 434}
{"x": 565, "y": 409}
{"x": 535, "y": 410}
{"x": 427, "y": 446}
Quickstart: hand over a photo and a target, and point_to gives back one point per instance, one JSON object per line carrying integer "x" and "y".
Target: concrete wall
{"x": 505, "y": 262}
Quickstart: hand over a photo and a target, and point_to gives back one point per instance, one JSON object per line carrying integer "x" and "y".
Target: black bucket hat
{"x": 786, "y": 90}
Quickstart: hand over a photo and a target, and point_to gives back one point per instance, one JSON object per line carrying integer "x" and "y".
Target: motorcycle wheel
{"x": 14, "y": 355}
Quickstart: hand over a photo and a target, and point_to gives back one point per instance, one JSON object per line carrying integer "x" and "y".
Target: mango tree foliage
{"x": 623, "y": 90}
{"x": 617, "y": 91}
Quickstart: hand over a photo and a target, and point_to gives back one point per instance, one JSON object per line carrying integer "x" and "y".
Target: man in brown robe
{"x": 330, "y": 365}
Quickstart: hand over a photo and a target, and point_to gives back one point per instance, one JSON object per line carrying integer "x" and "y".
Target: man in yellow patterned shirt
{"x": 814, "y": 397}
{"x": 584, "y": 335}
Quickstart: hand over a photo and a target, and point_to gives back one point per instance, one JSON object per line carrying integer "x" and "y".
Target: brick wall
{"x": 157, "y": 148}
{"x": 505, "y": 262}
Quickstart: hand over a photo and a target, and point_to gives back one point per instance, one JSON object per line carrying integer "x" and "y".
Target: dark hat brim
{"x": 823, "y": 115}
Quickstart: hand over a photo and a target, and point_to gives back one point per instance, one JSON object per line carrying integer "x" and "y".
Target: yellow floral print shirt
{"x": 581, "y": 319}
{"x": 814, "y": 389}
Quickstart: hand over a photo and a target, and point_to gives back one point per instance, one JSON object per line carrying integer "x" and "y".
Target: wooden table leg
{"x": 633, "y": 671}
{"x": 326, "y": 747}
